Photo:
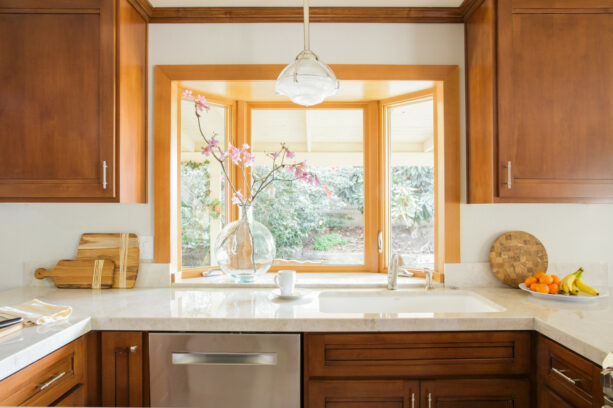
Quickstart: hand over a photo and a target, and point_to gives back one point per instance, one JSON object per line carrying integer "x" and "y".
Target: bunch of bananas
{"x": 573, "y": 283}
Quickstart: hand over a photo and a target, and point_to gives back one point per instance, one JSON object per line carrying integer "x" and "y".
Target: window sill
{"x": 304, "y": 280}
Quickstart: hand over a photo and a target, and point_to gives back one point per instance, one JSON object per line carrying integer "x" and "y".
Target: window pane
{"x": 202, "y": 187}
{"x": 411, "y": 130}
{"x": 323, "y": 224}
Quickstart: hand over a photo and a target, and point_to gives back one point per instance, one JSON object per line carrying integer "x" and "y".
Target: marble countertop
{"x": 585, "y": 328}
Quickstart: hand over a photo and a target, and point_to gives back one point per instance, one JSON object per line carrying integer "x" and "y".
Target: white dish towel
{"x": 36, "y": 312}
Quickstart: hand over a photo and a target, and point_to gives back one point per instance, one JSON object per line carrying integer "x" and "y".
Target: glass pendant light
{"x": 307, "y": 81}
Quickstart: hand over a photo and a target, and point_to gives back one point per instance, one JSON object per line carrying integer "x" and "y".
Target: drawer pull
{"x": 412, "y": 400}
{"x": 104, "y": 168}
{"x": 133, "y": 349}
{"x": 224, "y": 359}
{"x": 51, "y": 381}
{"x": 429, "y": 400}
{"x": 564, "y": 376}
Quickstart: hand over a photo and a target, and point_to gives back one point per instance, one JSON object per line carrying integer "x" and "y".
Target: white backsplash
{"x": 479, "y": 274}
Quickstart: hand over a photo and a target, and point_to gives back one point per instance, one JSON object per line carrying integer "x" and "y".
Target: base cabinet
{"x": 123, "y": 369}
{"x": 548, "y": 398}
{"x": 463, "y": 393}
{"x": 418, "y": 370}
{"x": 566, "y": 379}
{"x": 475, "y": 393}
{"x": 364, "y": 394}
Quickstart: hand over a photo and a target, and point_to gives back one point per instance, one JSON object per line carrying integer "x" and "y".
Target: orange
{"x": 556, "y": 279}
{"x": 529, "y": 281}
{"x": 554, "y": 288}
{"x": 542, "y": 288}
{"x": 546, "y": 279}
{"x": 534, "y": 287}
{"x": 539, "y": 274}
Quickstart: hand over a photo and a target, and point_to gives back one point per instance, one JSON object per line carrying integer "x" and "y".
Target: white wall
{"x": 49, "y": 232}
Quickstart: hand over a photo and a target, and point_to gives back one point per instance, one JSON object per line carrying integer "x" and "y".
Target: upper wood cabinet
{"x": 540, "y": 101}
{"x": 72, "y": 101}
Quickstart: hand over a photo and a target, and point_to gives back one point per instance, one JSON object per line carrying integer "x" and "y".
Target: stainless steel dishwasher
{"x": 225, "y": 370}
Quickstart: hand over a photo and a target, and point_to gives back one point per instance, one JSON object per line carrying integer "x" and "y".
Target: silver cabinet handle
{"x": 224, "y": 358}
{"x": 412, "y": 400}
{"x": 509, "y": 175}
{"x": 51, "y": 381}
{"x": 380, "y": 241}
{"x": 133, "y": 349}
{"x": 564, "y": 376}
{"x": 429, "y": 400}
{"x": 104, "y": 168}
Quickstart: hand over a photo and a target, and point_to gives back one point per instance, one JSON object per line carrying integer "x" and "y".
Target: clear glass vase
{"x": 245, "y": 248}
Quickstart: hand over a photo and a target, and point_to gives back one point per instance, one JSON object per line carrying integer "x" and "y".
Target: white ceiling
{"x": 313, "y": 3}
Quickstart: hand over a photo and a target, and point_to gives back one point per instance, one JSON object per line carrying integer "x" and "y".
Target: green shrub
{"x": 327, "y": 241}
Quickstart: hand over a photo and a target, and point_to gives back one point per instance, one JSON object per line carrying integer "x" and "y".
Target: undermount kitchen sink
{"x": 405, "y": 301}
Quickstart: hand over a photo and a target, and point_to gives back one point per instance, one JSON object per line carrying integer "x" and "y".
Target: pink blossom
{"x": 201, "y": 103}
{"x": 235, "y": 154}
{"x": 187, "y": 94}
{"x": 289, "y": 153}
{"x": 245, "y": 147}
{"x": 214, "y": 142}
{"x": 248, "y": 159}
{"x": 237, "y": 198}
{"x": 222, "y": 154}
{"x": 274, "y": 155}
{"x": 207, "y": 150}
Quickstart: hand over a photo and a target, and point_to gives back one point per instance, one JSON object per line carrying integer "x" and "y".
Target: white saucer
{"x": 293, "y": 296}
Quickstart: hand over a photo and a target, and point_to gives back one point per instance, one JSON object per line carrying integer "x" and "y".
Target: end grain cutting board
{"x": 515, "y": 255}
{"x": 80, "y": 274}
{"x": 122, "y": 249}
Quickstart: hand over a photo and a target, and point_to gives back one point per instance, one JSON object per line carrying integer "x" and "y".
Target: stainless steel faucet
{"x": 392, "y": 273}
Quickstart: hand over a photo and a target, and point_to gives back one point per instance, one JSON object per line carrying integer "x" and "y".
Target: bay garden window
{"x": 385, "y": 150}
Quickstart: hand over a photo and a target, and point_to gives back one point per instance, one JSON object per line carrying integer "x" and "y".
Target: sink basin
{"x": 405, "y": 301}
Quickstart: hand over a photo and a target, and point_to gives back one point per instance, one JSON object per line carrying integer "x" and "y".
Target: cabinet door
{"x": 547, "y": 398}
{"x": 57, "y": 100}
{"x": 74, "y": 398}
{"x": 555, "y": 99}
{"x": 363, "y": 394}
{"x": 491, "y": 393}
{"x": 122, "y": 369}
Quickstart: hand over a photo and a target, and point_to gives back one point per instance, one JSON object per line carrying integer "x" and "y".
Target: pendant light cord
{"x": 306, "y": 26}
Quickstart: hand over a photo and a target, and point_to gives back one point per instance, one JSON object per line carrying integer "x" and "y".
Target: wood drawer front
{"x": 74, "y": 398}
{"x": 419, "y": 355}
{"x": 43, "y": 382}
{"x": 362, "y": 394}
{"x": 479, "y": 393}
{"x": 557, "y": 366}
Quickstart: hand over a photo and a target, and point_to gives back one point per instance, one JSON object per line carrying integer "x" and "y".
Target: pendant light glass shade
{"x": 307, "y": 81}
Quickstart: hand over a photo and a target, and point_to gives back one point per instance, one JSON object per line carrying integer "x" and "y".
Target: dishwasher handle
{"x": 267, "y": 359}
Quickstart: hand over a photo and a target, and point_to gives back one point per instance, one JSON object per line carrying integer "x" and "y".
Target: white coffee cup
{"x": 286, "y": 280}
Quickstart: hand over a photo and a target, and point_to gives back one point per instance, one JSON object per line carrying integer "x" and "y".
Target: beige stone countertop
{"x": 585, "y": 328}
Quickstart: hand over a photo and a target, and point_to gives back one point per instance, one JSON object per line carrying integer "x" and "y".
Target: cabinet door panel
{"x": 57, "y": 99}
{"x": 122, "y": 369}
{"x": 547, "y": 398}
{"x": 490, "y": 393}
{"x": 555, "y": 103}
{"x": 363, "y": 394}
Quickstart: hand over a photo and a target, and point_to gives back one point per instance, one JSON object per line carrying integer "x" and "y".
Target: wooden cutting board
{"x": 122, "y": 249}
{"x": 80, "y": 274}
{"x": 515, "y": 255}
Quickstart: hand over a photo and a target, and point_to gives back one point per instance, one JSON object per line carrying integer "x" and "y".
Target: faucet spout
{"x": 392, "y": 272}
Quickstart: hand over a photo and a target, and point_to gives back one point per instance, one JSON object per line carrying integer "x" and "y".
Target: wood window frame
{"x": 447, "y": 146}
{"x": 230, "y": 137}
